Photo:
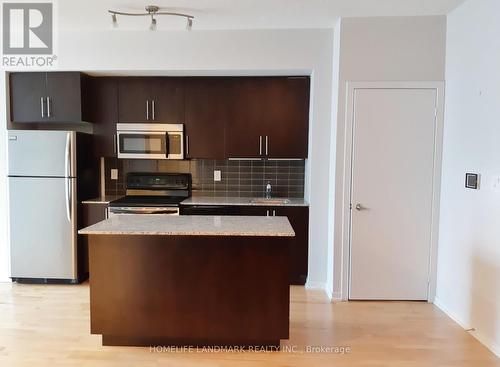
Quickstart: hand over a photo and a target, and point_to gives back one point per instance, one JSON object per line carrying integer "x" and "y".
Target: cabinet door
{"x": 103, "y": 113}
{"x": 64, "y": 97}
{"x": 245, "y": 127}
{"x": 133, "y": 96}
{"x": 206, "y": 117}
{"x": 252, "y": 210}
{"x": 167, "y": 100}
{"x": 26, "y": 93}
{"x": 299, "y": 248}
{"x": 287, "y": 117}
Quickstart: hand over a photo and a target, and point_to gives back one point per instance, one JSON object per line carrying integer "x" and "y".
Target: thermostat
{"x": 472, "y": 181}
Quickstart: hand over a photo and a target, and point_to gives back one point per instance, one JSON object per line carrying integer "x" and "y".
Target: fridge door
{"x": 38, "y": 153}
{"x": 42, "y": 227}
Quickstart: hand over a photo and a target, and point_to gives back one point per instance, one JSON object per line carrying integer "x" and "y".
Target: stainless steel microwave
{"x": 150, "y": 141}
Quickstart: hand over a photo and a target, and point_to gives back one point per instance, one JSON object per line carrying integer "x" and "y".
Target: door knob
{"x": 360, "y": 207}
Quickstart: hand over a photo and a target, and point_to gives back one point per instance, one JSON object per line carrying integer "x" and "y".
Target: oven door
{"x": 135, "y": 210}
{"x": 151, "y": 145}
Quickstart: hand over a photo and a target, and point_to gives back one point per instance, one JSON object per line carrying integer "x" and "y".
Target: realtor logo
{"x": 27, "y": 28}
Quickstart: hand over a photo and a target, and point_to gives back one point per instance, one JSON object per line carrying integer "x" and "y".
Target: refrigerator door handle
{"x": 67, "y": 156}
{"x": 67, "y": 192}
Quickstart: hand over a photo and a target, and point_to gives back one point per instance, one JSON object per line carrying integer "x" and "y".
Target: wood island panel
{"x": 189, "y": 290}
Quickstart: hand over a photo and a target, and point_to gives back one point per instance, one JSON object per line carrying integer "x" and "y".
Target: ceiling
{"x": 244, "y": 14}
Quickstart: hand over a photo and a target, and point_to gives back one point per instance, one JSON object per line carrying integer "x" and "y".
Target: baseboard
{"x": 487, "y": 342}
{"x": 316, "y": 285}
{"x": 337, "y": 297}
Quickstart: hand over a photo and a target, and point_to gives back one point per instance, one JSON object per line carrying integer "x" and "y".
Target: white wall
{"x": 223, "y": 53}
{"x": 380, "y": 49}
{"x": 468, "y": 287}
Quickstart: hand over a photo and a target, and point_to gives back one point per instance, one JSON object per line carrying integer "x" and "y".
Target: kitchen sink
{"x": 274, "y": 201}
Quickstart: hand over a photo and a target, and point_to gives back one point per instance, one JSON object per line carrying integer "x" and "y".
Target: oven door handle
{"x": 171, "y": 211}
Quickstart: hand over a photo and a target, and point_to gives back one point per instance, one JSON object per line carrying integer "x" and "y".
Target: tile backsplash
{"x": 239, "y": 178}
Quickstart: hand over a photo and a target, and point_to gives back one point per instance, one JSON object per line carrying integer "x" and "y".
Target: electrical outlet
{"x": 217, "y": 176}
{"x": 114, "y": 174}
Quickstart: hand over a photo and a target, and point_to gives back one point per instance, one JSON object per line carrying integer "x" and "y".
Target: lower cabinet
{"x": 299, "y": 219}
{"x": 91, "y": 213}
{"x": 94, "y": 213}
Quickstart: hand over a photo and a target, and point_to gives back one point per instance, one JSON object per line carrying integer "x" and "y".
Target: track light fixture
{"x": 152, "y": 11}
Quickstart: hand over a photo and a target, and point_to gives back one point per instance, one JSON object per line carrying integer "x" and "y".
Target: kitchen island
{"x": 189, "y": 280}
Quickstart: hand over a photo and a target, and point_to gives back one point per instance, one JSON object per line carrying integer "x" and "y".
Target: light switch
{"x": 114, "y": 174}
{"x": 472, "y": 181}
{"x": 217, "y": 175}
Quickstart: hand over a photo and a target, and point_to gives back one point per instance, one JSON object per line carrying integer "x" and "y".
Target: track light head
{"x": 152, "y": 27}
{"x": 114, "y": 20}
{"x": 189, "y": 24}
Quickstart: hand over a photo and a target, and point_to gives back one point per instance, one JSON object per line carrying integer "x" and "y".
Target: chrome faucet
{"x": 269, "y": 188}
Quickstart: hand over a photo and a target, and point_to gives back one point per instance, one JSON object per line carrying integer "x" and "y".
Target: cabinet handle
{"x": 260, "y": 145}
{"x": 187, "y": 144}
{"x": 153, "y": 109}
{"x": 41, "y": 107}
{"x": 114, "y": 144}
{"x": 48, "y": 106}
{"x": 147, "y": 110}
{"x": 267, "y": 145}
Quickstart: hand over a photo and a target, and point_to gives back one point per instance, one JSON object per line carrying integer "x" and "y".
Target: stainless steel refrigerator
{"x": 47, "y": 179}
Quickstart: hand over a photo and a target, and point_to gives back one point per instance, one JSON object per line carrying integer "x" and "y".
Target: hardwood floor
{"x": 48, "y": 325}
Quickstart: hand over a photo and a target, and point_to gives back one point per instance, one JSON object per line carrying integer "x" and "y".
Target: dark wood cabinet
{"x": 245, "y": 127}
{"x": 53, "y": 97}
{"x": 133, "y": 100}
{"x": 206, "y": 114}
{"x": 103, "y": 112}
{"x": 268, "y": 117}
{"x": 151, "y": 99}
{"x": 287, "y": 117}
{"x": 167, "y": 100}
{"x": 299, "y": 249}
{"x": 224, "y": 117}
{"x": 93, "y": 213}
{"x": 88, "y": 214}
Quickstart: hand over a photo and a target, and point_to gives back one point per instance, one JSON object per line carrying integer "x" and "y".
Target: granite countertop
{"x": 206, "y": 200}
{"x": 192, "y": 225}
{"x": 102, "y": 199}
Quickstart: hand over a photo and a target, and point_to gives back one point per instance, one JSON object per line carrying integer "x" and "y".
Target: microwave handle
{"x": 167, "y": 145}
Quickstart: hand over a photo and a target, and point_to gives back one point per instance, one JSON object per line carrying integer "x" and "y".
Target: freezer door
{"x": 41, "y": 153}
{"x": 42, "y": 227}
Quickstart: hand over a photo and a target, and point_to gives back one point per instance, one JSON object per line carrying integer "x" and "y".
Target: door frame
{"x": 351, "y": 87}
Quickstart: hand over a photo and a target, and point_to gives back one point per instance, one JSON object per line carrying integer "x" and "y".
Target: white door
{"x": 391, "y": 194}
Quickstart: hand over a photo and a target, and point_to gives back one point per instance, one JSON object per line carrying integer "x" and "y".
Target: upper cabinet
{"x": 223, "y": 117}
{"x": 287, "y": 117}
{"x": 268, "y": 117}
{"x": 245, "y": 127}
{"x": 103, "y": 112}
{"x": 151, "y": 99}
{"x": 47, "y": 97}
{"x": 206, "y": 115}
